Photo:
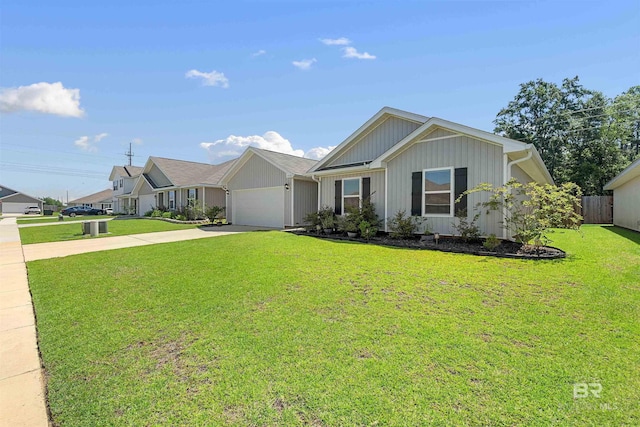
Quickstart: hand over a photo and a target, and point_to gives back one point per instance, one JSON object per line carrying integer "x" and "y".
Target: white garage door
{"x": 8, "y": 207}
{"x": 261, "y": 206}
{"x": 146, "y": 202}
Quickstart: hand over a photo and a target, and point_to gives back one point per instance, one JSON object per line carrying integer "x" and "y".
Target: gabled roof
{"x": 289, "y": 164}
{"x": 365, "y": 128}
{"x": 509, "y": 145}
{"x": 125, "y": 171}
{"x": 5, "y": 191}
{"x": 536, "y": 166}
{"x": 630, "y": 172}
{"x": 8, "y": 192}
{"x": 100, "y": 196}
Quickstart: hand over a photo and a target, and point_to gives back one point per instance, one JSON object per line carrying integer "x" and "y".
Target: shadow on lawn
{"x": 634, "y": 236}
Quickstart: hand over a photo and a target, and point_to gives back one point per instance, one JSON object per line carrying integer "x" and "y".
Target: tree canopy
{"x": 582, "y": 136}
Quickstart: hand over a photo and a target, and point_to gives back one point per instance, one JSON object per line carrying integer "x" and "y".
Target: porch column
{"x": 204, "y": 206}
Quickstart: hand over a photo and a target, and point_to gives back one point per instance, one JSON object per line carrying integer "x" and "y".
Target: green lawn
{"x": 276, "y": 329}
{"x": 59, "y": 233}
{"x": 42, "y": 220}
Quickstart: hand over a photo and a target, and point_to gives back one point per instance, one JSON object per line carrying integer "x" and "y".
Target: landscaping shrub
{"x": 402, "y": 226}
{"x": 327, "y": 217}
{"x": 148, "y": 213}
{"x": 368, "y": 230}
{"x": 156, "y": 213}
{"x": 465, "y": 228}
{"x": 213, "y": 212}
{"x": 491, "y": 242}
{"x": 167, "y": 214}
{"x": 312, "y": 221}
{"x": 532, "y": 209}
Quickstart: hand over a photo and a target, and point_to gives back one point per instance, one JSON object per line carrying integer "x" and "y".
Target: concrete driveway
{"x": 73, "y": 247}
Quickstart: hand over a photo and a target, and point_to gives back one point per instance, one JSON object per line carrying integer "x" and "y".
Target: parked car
{"x": 32, "y": 210}
{"x": 108, "y": 211}
{"x": 81, "y": 210}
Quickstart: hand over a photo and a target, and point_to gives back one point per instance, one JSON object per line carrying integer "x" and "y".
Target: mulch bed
{"x": 506, "y": 249}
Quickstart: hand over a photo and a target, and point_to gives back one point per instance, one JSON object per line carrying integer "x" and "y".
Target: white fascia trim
{"x": 362, "y": 129}
{"x": 630, "y": 172}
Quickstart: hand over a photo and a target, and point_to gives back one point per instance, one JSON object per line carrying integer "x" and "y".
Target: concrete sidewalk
{"x": 73, "y": 247}
{"x": 22, "y": 391}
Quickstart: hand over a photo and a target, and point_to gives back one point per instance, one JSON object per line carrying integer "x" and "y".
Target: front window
{"x": 115, "y": 185}
{"x": 438, "y": 195}
{"x": 192, "y": 195}
{"x": 172, "y": 200}
{"x": 121, "y": 183}
{"x": 350, "y": 194}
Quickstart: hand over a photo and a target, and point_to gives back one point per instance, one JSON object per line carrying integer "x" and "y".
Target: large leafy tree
{"x": 581, "y": 135}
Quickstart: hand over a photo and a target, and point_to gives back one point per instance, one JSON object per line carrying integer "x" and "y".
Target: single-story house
{"x": 626, "y": 197}
{"x": 13, "y": 201}
{"x": 420, "y": 165}
{"x": 171, "y": 184}
{"x": 124, "y": 178}
{"x": 100, "y": 200}
{"x": 269, "y": 189}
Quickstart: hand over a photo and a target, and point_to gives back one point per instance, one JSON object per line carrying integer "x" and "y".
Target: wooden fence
{"x": 597, "y": 209}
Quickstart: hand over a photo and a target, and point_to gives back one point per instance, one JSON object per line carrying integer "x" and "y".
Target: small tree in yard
{"x": 532, "y": 209}
{"x": 213, "y": 212}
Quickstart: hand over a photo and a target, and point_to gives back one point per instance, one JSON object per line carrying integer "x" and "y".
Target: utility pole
{"x": 129, "y": 154}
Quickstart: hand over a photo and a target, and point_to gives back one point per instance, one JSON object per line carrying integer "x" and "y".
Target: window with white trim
{"x": 351, "y": 191}
{"x": 438, "y": 192}
{"x": 172, "y": 200}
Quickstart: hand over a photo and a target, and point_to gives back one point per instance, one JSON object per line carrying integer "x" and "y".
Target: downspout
{"x": 313, "y": 177}
{"x": 507, "y": 176}
{"x": 386, "y": 192}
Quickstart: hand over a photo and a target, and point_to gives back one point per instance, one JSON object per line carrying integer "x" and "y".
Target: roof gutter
{"x": 509, "y": 165}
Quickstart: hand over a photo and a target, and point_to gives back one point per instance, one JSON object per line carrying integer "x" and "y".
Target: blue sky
{"x": 129, "y": 64}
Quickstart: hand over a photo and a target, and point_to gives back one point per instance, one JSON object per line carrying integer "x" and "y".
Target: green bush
{"x": 327, "y": 217}
{"x": 465, "y": 228}
{"x": 402, "y": 226}
{"x": 148, "y": 213}
{"x": 531, "y": 210}
{"x": 312, "y": 221}
{"x": 368, "y": 230}
{"x": 491, "y": 242}
{"x": 156, "y": 213}
{"x": 213, "y": 212}
{"x": 167, "y": 214}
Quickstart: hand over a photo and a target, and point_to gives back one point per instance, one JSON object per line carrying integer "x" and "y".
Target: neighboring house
{"x": 626, "y": 197}
{"x": 100, "y": 200}
{"x": 172, "y": 184}
{"x": 123, "y": 179}
{"x": 13, "y": 201}
{"x": 270, "y": 189}
{"x": 420, "y": 165}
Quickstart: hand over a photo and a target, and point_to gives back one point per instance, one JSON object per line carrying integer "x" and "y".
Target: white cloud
{"x": 342, "y": 41}
{"x": 214, "y": 78}
{"x": 137, "y": 141}
{"x": 100, "y": 136}
{"x": 259, "y": 53}
{"x": 352, "y": 52}
{"x": 305, "y": 64}
{"x": 318, "y": 153}
{"x": 43, "y": 97}
{"x": 87, "y": 143}
{"x": 234, "y": 145}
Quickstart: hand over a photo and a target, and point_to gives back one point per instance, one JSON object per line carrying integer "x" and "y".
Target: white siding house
{"x": 626, "y": 197}
{"x": 420, "y": 165}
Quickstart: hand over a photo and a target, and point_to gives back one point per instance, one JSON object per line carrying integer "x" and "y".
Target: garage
{"x": 12, "y": 201}
{"x": 258, "y": 206}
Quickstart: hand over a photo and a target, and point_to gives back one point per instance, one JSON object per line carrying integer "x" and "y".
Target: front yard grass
{"x": 275, "y": 329}
{"x": 59, "y": 233}
{"x": 54, "y": 218}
